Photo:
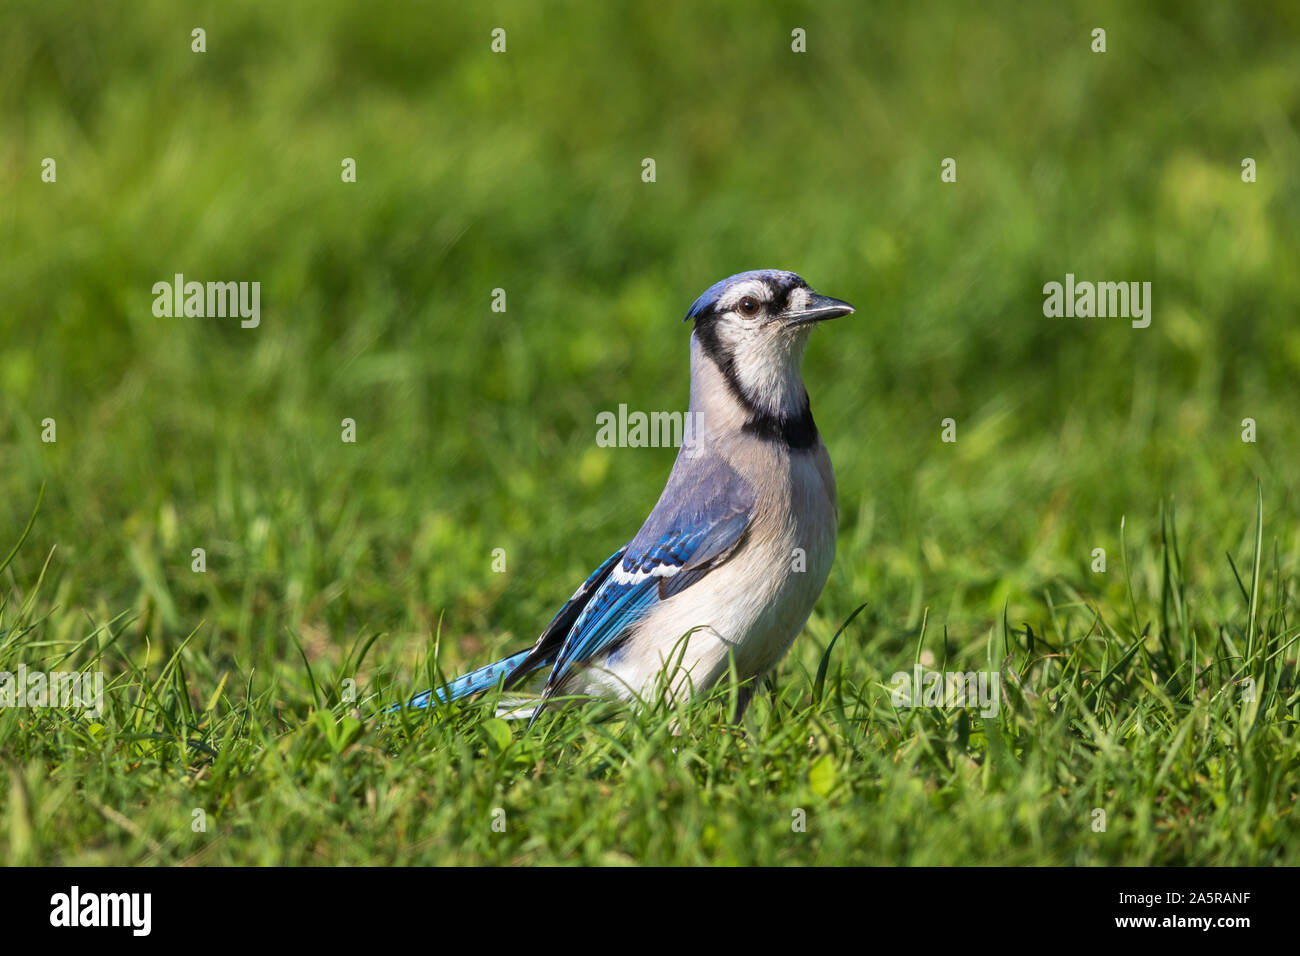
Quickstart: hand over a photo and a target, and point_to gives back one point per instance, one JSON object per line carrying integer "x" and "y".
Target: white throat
{"x": 769, "y": 379}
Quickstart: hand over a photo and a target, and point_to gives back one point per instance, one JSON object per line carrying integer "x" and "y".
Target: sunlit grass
{"x": 329, "y": 562}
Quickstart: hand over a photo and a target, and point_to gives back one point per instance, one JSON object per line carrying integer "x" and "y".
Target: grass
{"x": 328, "y": 562}
{"x": 1160, "y": 733}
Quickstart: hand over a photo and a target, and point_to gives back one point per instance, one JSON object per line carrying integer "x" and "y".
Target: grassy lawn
{"x": 1150, "y": 709}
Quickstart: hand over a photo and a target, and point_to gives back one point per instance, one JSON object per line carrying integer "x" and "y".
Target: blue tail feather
{"x": 471, "y": 683}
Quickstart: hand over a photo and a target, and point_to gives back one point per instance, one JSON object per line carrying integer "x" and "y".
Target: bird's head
{"x": 753, "y": 327}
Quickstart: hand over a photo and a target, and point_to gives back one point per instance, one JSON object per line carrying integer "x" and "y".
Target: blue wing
{"x": 701, "y": 517}
{"x": 697, "y": 524}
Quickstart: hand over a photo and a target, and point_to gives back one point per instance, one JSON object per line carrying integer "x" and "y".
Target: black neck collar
{"x": 796, "y": 430}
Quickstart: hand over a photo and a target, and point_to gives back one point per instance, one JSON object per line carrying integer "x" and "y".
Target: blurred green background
{"x": 476, "y": 430}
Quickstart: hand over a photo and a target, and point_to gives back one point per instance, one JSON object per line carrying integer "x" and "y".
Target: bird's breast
{"x": 756, "y": 602}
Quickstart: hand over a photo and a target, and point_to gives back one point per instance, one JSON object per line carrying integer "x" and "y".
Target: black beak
{"x": 820, "y": 308}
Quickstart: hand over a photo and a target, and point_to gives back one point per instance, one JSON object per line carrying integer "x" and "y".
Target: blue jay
{"x": 731, "y": 560}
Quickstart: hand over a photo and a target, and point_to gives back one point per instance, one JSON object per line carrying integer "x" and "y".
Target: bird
{"x": 726, "y": 569}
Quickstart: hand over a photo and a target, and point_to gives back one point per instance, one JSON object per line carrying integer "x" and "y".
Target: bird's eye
{"x": 749, "y": 306}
